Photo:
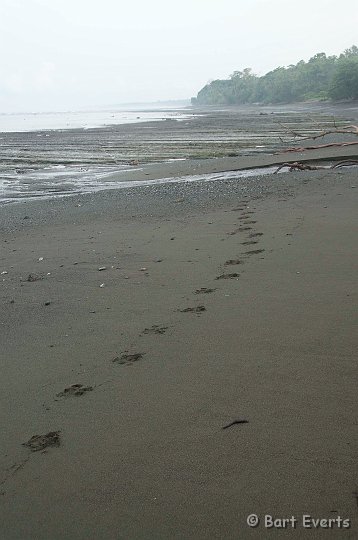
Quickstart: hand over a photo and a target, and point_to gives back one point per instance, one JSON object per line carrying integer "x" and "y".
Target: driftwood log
{"x": 298, "y": 166}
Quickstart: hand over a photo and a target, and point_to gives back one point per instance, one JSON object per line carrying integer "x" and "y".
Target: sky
{"x": 61, "y": 55}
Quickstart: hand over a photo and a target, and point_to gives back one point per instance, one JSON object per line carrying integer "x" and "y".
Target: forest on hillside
{"x": 321, "y": 78}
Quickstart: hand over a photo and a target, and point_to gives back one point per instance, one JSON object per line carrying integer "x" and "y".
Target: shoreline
{"x": 144, "y": 453}
{"x": 36, "y": 164}
{"x": 341, "y": 107}
{"x": 194, "y": 170}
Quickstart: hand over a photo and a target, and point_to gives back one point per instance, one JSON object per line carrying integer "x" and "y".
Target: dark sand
{"x": 143, "y": 453}
{"x": 179, "y": 356}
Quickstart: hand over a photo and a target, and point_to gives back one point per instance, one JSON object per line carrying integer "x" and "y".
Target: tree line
{"x": 321, "y": 78}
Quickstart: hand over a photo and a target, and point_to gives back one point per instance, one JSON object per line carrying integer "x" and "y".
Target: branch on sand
{"x": 297, "y": 166}
{"x": 316, "y": 147}
{"x": 352, "y": 130}
{"x": 336, "y": 130}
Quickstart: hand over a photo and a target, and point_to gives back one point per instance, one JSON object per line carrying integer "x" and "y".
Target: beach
{"x": 187, "y": 141}
{"x": 190, "y": 347}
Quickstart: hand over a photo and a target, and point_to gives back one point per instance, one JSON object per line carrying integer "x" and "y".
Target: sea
{"x": 57, "y": 154}
{"x": 49, "y": 154}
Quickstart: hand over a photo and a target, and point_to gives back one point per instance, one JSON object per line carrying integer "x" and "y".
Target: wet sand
{"x": 48, "y": 163}
{"x": 224, "y": 305}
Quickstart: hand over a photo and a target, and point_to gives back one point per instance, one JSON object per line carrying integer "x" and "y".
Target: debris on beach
{"x": 75, "y": 390}
{"x": 40, "y": 442}
{"x": 234, "y": 423}
{"x": 34, "y": 277}
{"x": 101, "y": 268}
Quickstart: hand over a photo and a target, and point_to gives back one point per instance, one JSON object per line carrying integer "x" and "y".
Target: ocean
{"x": 46, "y": 155}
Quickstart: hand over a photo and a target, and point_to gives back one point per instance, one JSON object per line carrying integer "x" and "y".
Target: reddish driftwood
{"x": 351, "y": 129}
{"x": 298, "y": 166}
{"x": 317, "y": 147}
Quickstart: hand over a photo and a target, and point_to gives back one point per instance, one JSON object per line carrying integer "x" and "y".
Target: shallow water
{"x": 23, "y": 122}
{"x": 93, "y": 181}
{"x": 70, "y": 161}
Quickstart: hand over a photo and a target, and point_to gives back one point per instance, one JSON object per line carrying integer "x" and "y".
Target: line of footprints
{"x": 53, "y": 439}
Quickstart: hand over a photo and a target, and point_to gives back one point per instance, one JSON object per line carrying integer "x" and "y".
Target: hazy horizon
{"x": 110, "y": 107}
{"x": 77, "y": 55}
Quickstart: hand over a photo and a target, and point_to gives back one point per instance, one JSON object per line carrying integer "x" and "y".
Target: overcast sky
{"x": 70, "y": 54}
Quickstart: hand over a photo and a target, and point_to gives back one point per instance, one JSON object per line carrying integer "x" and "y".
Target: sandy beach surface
{"x": 212, "y": 326}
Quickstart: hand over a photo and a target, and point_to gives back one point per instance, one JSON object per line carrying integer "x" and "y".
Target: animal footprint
{"x": 232, "y": 262}
{"x": 196, "y": 309}
{"x": 228, "y": 276}
{"x": 40, "y": 442}
{"x": 254, "y": 251}
{"x": 75, "y": 390}
{"x": 204, "y": 290}
{"x": 128, "y": 359}
{"x": 155, "y": 329}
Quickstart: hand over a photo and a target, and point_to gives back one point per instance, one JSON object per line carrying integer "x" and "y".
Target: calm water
{"x": 21, "y": 122}
{"x": 58, "y": 154}
{"x": 61, "y": 153}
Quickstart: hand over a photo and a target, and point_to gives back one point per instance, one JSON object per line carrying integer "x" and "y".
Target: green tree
{"x": 322, "y": 77}
{"x": 345, "y": 80}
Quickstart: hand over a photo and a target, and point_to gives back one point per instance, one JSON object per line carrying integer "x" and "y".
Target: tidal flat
{"x": 179, "y": 355}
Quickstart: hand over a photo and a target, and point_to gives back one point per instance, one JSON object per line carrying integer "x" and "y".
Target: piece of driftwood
{"x": 298, "y": 166}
